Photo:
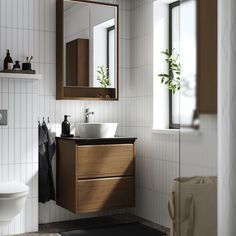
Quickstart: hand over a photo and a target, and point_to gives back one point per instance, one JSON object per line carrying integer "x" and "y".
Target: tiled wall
{"x": 160, "y": 157}
{"x": 19, "y": 147}
{"x": 27, "y": 27}
{"x": 157, "y": 154}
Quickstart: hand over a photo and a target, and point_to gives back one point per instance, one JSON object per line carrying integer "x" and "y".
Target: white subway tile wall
{"x": 28, "y": 27}
{"x": 157, "y": 161}
{"x": 19, "y": 147}
{"x": 160, "y": 157}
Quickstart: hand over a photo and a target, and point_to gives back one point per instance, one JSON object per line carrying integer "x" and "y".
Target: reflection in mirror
{"x": 188, "y": 59}
{"x": 90, "y": 45}
{"x": 174, "y": 47}
{"x": 183, "y": 43}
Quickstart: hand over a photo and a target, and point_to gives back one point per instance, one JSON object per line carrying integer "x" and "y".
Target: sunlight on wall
{"x": 161, "y": 42}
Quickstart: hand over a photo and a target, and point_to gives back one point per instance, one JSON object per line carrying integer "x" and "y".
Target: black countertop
{"x": 92, "y": 141}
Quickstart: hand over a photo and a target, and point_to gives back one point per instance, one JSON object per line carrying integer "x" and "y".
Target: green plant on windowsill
{"x": 102, "y": 76}
{"x": 172, "y": 78}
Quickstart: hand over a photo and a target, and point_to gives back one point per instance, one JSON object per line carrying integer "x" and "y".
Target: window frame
{"x": 108, "y": 48}
{"x": 171, "y": 7}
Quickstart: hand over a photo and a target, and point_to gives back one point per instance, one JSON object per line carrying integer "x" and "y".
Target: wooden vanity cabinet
{"x": 95, "y": 177}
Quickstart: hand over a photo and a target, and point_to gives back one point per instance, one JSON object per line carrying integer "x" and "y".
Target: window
{"x": 104, "y": 42}
{"x": 174, "y": 47}
{"x": 188, "y": 61}
{"x": 174, "y": 27}
{"x": 182, "y": 40}
{"x": 110, "y": 51}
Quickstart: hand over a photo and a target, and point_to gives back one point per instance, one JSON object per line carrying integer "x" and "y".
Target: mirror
{"x": 87, "y": 50}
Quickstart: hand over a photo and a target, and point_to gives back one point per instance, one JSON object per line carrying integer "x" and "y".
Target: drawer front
{"x": 104, "y": 161}
{"x": 105, "y": 194}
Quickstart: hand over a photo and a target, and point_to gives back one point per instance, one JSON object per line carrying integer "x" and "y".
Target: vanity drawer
{"x": 105, "y": 193}
{"x": 94, "y": 161}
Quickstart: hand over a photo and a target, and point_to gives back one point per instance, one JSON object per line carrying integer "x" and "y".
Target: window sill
{"x": 187, "y": 131}
{"x": 165, "y": 131}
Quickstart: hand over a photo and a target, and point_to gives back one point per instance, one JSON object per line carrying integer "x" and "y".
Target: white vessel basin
{"x": 96, "y": 130}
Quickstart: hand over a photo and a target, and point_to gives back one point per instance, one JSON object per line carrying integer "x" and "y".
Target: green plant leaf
{"x": 102, "y": 76}
{"x": 171, "y": 80}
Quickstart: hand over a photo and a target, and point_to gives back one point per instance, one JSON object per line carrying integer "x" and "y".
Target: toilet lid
{"x": 13, "y": 189}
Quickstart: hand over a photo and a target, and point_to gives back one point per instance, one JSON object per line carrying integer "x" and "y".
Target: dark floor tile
{"x": 53, "y": 229}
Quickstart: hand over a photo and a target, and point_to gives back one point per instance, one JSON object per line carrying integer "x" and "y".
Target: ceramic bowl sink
{"x": 96, "y": 130}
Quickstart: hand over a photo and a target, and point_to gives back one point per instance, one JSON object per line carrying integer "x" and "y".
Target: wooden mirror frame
{"x": 80, "y": 93}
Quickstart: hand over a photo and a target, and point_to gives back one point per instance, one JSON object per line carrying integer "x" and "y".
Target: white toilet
{"x": 12, "y": 200}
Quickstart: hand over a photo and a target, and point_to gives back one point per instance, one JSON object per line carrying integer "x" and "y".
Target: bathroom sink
{"x": 96, "y": 130}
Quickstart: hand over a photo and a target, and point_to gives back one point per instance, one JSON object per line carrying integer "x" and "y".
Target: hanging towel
{"x": 46, "y": 153}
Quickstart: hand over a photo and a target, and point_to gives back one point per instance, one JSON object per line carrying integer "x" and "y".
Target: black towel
{"x": 46, "y": 153}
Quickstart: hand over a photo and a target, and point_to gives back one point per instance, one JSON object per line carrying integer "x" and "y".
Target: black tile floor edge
{"x": 148, "y": 228}
{"x": 86, "y": 223}
{"x": 101, "y": 227}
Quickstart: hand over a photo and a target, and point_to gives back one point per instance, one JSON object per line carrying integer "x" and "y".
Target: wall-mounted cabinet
{"x": 87, "y": 50}
{"x": 95, "y": 175}
{"x": 207, "y": 56}
{"x": 77, "y": 63}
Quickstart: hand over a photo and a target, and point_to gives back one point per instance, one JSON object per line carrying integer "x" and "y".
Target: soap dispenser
{"x": 65, "y": 128}
{"x": 7, "y": 60}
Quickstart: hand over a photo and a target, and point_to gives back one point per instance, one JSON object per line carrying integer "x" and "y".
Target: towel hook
{"x": 43, "y": 121}
{"x": 48, "y": 121}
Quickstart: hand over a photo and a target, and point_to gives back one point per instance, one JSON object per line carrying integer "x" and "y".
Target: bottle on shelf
{"x": 8, "y": 60}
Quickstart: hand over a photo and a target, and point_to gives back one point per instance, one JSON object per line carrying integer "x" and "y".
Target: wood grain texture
{"x": 83, "y": 62}
{"x": 66, "y": 174}
{"x": 77, "y": 63}
{"x": 90, "y": 93}
{"x": 207, "y": 56}
{"x": 103, "y": 194}
{"x": 59, "y": 49}
{"x": 71, "y": 63}
{"x": 84, "y": 182}
{"x": 96, "y": 161}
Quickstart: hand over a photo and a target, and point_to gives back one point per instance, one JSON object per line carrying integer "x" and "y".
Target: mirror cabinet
{"x": 87, "y": 48}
